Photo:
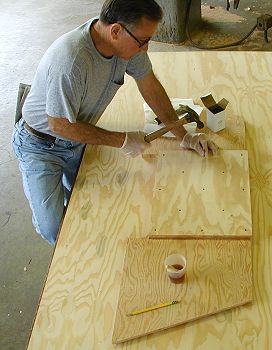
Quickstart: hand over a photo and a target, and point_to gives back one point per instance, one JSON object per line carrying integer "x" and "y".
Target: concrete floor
{"x": 221, "y": 27}
{"x": 27, "y": 28}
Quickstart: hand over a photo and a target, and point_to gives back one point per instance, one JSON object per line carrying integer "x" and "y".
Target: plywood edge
{"x": 119, "y": 341}
{"x": 216, "y": 237}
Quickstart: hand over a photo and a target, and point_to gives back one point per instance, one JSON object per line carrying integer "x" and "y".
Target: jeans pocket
{"x": 29, "y": 148}
{"x": 37, "y": 143}
{"x": 16, "y": 144}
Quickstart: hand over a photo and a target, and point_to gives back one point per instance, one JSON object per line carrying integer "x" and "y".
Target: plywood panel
{"x": 196, "y": 196}
{"x": 79, "y": 301}
{"x": 218, "y": 277}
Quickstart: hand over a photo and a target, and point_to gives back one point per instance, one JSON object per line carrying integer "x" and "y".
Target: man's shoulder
{"x": 72, "y": 42}
{"x": 69, "y": 50}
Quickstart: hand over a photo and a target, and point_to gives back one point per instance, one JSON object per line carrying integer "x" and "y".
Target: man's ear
{"x": 115, "y": 31}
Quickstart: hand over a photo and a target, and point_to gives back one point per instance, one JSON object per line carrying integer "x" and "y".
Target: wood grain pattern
{"x": 79, "y": 301}
{"x": 107, "y": 205}
{"x": 218, "y": 277}
{"x": 196, "y": 196}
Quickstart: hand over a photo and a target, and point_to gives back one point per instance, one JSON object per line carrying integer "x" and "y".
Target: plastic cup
{"x": 175, "y": 266}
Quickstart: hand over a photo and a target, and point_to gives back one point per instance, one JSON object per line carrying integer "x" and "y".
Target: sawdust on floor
{"x": 219, "y": 14}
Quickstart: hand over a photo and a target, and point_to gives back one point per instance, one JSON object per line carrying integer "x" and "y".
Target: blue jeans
{"x": 48, "y": 170}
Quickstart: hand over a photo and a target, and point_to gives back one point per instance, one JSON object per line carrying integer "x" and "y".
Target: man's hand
{"x": 134, "y": 143}
{"x": 200, "y": 143}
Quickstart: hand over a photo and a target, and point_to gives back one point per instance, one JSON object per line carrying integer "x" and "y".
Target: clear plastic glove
{"x": 200, "y": 143}
{"x": 134, "y": 144}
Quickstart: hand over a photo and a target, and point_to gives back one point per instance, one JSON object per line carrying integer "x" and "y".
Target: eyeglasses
{"x": 141, "y": 43}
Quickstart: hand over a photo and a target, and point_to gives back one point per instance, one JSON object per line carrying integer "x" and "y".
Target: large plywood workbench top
{"x": 111, "y": 202}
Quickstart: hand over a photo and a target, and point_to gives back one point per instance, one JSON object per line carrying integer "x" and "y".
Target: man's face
{"x": 133, "y": 41}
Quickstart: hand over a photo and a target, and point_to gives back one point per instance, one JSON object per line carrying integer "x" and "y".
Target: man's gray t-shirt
{"x": 75, "y": 81}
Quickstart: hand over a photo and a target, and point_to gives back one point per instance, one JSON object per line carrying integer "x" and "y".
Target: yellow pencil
{"x": 153, "y": 308}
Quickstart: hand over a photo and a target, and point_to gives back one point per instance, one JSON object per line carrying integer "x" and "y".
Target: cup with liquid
{"x": 175, "y": 266}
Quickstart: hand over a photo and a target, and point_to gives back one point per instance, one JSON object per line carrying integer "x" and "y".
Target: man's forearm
{"x": 86, "y": 133}
{"x": 157, "y": 99}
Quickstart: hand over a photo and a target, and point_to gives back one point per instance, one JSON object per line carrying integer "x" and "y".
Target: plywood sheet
{"x": 79, "y": 300}
{"x": 218, "y": 277}
{"x": 196, "y": 196}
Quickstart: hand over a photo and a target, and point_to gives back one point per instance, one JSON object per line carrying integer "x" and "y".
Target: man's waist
{"x": 39, "y": 134}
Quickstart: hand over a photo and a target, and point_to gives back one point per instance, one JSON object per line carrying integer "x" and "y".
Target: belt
{"x": 39, "y": 134}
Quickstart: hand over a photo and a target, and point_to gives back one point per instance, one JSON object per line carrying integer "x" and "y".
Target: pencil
{"x": 153, "y": 308}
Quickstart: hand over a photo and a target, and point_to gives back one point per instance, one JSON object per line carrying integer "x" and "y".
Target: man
{"x": 75, "y": 81}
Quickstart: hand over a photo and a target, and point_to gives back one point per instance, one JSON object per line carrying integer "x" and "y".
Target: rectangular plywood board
{"x": 218, "y": 278}
{"x": 196, "y": 196}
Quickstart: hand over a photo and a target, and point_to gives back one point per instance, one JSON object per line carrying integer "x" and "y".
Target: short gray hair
{"x": 130, "y": 12}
